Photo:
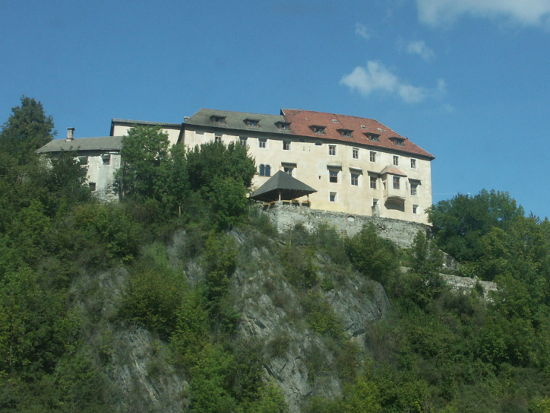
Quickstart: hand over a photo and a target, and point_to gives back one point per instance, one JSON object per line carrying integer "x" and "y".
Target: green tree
{"x": 211, "y": 160}
{"x": 143, "y": 173}
{"x": 27, "y": 129}
{"x": 459, "y": 223}
{"x": 373, "y": 256}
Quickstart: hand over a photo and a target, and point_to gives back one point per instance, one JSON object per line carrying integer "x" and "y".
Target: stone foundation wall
{"x": 400, "y": 232}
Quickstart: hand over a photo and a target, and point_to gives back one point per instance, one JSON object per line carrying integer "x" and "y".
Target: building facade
{"x": 357, "y": 165}
{"x": 99, "y": 156}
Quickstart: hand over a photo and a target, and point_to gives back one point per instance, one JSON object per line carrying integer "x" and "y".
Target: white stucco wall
{"x": 172, "y": 132}
{"x": 102, "y": 173}
{"x": 313, "y": 163}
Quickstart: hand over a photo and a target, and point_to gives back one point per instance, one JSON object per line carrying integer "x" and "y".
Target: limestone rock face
{"x": 302, "y": 361}
{"x": 135, "y": 363}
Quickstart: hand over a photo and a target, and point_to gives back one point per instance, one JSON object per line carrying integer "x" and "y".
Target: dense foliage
{"x": 438, "y": 351}
{"x": 213, "y": 175}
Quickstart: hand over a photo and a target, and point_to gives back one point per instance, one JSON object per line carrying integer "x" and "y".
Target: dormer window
{"x": 345, "y": 132}
{"x": 283, "y": 125}
{"x": 217, "y": 119}
{"x": 252, "y": 122}
{"x": 374, "y": 137}
{"x": 319, "y": 130}
{"x": 397, "y": 141}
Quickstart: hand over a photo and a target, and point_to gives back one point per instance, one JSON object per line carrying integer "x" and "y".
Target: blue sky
{"x": 467, "y": 80}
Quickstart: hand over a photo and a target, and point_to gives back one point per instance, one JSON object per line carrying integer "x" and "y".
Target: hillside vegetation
{"x": 183, "y": 297}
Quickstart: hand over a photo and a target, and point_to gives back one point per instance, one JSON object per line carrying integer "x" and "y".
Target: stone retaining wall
{"x": 401, "y": 233}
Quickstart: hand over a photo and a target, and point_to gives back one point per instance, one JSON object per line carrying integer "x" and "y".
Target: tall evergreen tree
{"x": 27, "y": 129}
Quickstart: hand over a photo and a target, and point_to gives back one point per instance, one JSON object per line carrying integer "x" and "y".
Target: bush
{"x": 373, "y": 256}
{"x": 321, "y": 317}
{"x": 154, "y": 293}
{"x": 299, "y": 266}
{"x": 110, "y": 228}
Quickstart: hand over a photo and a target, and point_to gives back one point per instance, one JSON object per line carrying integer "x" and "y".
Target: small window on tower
{"x": 414, "y": 187}
{"x": 397, "y": 141}
{"x": 333, "y": 175}
{"x": 318, "y": 129}
{"x": 396, "y": 183}
{"x": 355, "y": 153}
{"x": 252, "y": 122}
{"x": 373, "y": 182}
{"x": 282, "y": 125}
{"x": 286, "y": 145}
{"x": 332, "y": 197}
{"x": 217, "y": 119}
{"x": 261, "y": 142}
{"x": 373, "y": 156}
{"x": 332, "y": 149}
{"x": 345, "y": 132}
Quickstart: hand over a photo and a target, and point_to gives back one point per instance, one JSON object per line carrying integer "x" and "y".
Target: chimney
{"x": 70, "y": 135}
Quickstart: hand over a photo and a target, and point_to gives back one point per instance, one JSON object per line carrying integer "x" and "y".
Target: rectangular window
{"x": 218, "y": 138}
{"x": 265, "y": 170}
{"x": 261, "y": 142}
{"x": 106, "y": 158}
{"x": 415, "y": 209}
{"x": 242, "y": 140}
{"x": 92, "y": 186}
{"x": 333, "y": 175}
{"x": 332, "y": 197}
{"x": 355, "y": 153}
{"x": 396, "y": 160}
{"x": 373, "y": 156}
{"x": 396, "y": 183}
{"x": 286, "y": 145}
{"x": 332, "y": 149}
{"x": 373, "y": 182}
{"x": 354, "y": 179}
{"x": 413, "y": 163}
{"x": 414, "y": 188}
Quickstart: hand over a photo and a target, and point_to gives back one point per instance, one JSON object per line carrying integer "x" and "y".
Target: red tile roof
{"x": 302, "y": 120}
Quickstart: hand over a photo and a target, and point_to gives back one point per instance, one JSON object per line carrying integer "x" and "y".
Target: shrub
{"x": 321, "y": 317}
{"x": 373, "y": 256}
{"x": 111, "y": 228}
{"x": 299, "y": 266}
{"x": 154, "y": 293}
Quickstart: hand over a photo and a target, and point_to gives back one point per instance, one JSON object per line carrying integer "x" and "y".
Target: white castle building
{"x": 356, "y": 165}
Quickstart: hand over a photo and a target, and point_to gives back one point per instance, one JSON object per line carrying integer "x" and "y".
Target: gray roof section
{"x": 144, "y": 122}
{"x": 284, "y": 185}
{"x": 235, "y": 120}
{"x": 106, "y": 143}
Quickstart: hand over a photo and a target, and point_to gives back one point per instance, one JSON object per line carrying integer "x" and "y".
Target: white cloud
{"x": 376, "y": 77}
{"x": 362, "y": 31}
{"x": 420, "y": 48}
{"x": 441, "y": 86}
{"x": 527, "y": 12}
